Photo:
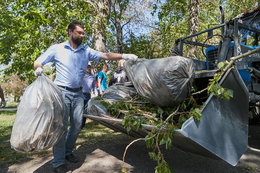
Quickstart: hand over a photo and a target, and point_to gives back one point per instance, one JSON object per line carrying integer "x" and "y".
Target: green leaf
{"x": 197, "y": 115}
{"x": 123, "y": 122}
{"x": 153, "y": 155}
{"x": 168, "y": 143}
{"x": 183, "y": 105}
{"x": 160, "y": 111}
{"x": 230, "y": 92}
{"x": 221, "y": 65}
{"x": 216, "y": 86}
{"x": 128, "y": 129}
{"x": 225, "y": 96}
{"x": 216, "y": 76}
{"x": 162, "y": 142}
{"x": 190, "y": 101}
{"x": 124, "y": 170}
{"x": 160, "y": 137}
{"x": 154, "y": 115}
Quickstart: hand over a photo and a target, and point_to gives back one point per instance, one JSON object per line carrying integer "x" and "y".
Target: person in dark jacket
{"x": 2, "y": 98}
{"x": 119, "y": 75}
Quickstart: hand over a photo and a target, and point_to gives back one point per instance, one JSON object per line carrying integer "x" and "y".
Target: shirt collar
{"x": 90, "y": 74}
{"x": 67, "y": 44}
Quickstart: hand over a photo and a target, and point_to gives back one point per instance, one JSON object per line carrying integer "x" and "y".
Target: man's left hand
{"x": 129, "y": 56}
{"x": 38, "y": 71}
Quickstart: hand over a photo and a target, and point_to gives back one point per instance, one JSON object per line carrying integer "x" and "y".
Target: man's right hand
{"x": 38, "y": 71}
{"x": 129, "y": 56}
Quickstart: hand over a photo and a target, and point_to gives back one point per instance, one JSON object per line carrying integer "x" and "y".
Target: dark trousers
{"x": 86, "y": 98}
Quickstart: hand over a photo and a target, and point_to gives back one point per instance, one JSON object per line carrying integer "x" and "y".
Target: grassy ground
{"x": 11, "y": 105}
{"x": 93, "y": 134}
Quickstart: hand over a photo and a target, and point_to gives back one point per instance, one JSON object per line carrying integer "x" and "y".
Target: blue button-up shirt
{"x": 70, "y": 64}
{"x": 88, "y": 83}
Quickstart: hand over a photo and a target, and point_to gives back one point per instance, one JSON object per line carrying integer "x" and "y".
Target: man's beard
{"x": 77, "y": 41}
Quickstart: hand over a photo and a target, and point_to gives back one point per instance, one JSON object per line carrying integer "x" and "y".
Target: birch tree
{"x": 101, "y": 14}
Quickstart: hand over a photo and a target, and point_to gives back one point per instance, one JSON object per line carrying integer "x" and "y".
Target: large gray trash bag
{"x": 165, "y": 82}
{"x": 38, "y": 123}
{"x": 119, "y": 92}
{"x": 113, "y": 93}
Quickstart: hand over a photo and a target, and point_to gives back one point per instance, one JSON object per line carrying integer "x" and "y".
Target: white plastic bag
{"x": 38, "y": 124}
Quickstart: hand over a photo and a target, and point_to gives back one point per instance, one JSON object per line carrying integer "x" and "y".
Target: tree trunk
{"x": 194, "y": 26}
{"x": 119, "y": 37}
{"x": 118, "y": 8}
{"x": 99, "y": 26}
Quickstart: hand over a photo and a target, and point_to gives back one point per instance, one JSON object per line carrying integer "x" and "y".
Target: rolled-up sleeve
{"x": 48, "y": 55}
{"x": 93, "y": 54}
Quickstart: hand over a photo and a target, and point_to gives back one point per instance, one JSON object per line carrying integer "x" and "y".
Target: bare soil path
{"x": 106, "y": 157}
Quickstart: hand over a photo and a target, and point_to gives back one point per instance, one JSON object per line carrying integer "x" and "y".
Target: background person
{"x": 71, "y": 61}
{"x": 119, "y": 75}
{"x": 102, "y": 80}
{"x": 88, "y": 84}
{"x": 2, "y": 98}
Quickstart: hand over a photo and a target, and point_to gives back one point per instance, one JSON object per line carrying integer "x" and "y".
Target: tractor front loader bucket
{"x": 222, "y": 132}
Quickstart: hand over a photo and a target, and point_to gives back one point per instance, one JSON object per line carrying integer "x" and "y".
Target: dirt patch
{"x": 3, "y": 118}
{"x": 107, "y": 157}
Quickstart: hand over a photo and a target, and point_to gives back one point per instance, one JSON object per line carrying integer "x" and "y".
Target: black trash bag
{"x": 165, "y": 82}
{"x": 112, "y": 94}
{"x": 38, "y": 123}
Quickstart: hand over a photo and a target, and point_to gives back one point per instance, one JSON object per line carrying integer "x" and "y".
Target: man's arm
{"x": 111, "y": 56}
{"x": 117, "y": 56}
{"x": 37, "y": 64}
{"x": 46, "y": 57}
{"x": 99, "y": 86}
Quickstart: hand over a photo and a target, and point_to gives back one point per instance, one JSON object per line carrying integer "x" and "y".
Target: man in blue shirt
{"x": 88, "y": 84}
{"x": 102, "y": 80}
{"x": 71, "y": 61}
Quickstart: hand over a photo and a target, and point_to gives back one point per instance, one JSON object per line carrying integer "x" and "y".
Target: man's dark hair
{"x": 73, "y": 25}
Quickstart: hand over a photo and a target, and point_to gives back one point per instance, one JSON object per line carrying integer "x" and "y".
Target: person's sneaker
{"x": 62, "y": 169}
{"x": 71, "y": 158}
